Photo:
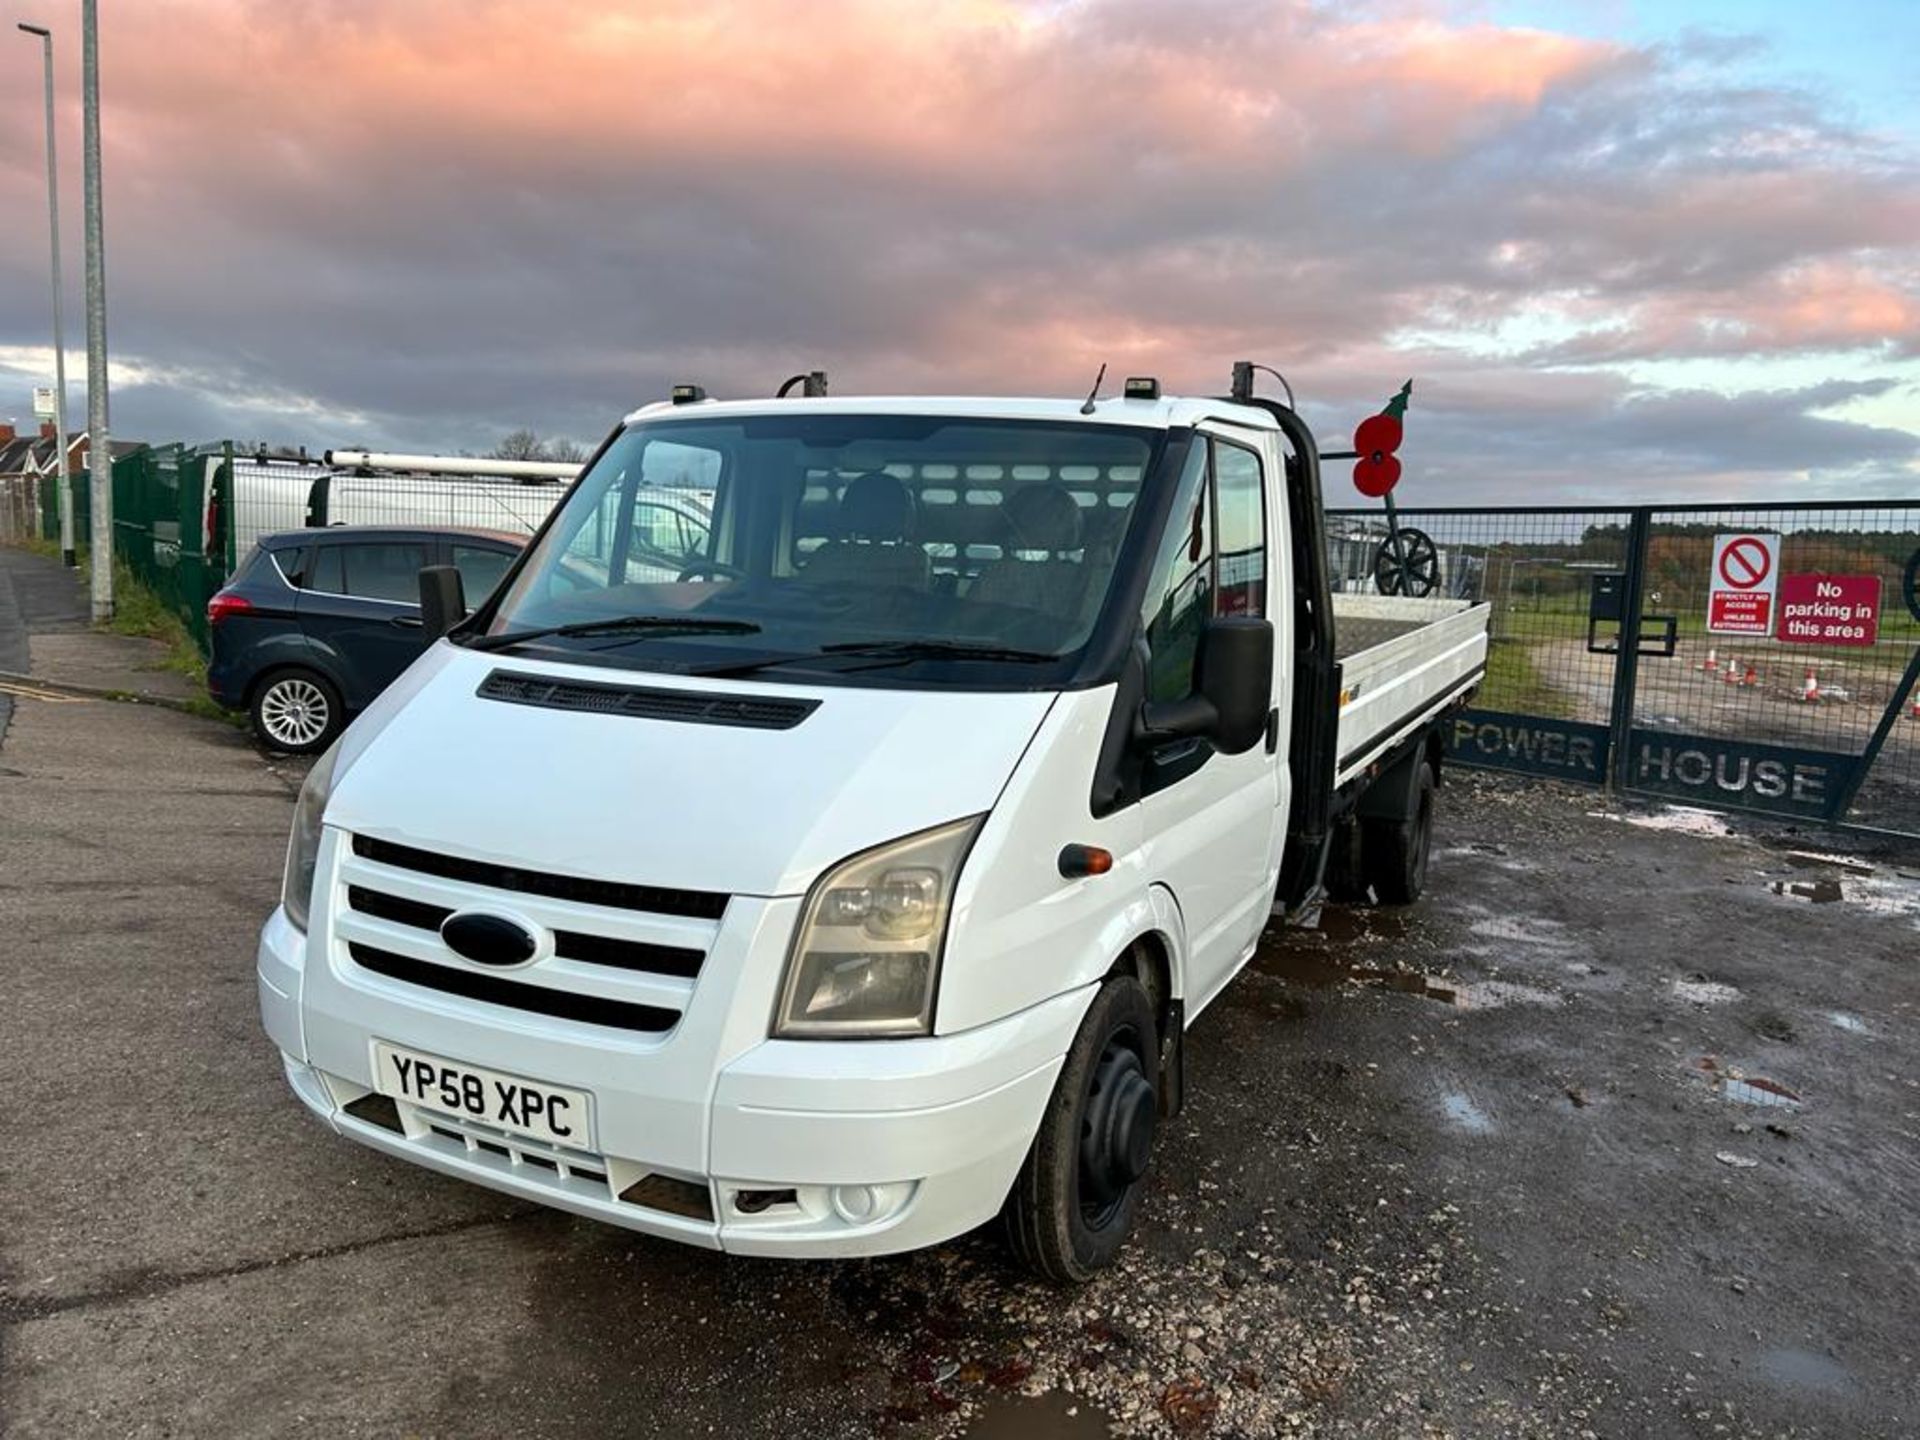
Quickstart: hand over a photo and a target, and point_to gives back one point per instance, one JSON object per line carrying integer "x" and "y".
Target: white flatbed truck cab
{"x": 857, "y": 883}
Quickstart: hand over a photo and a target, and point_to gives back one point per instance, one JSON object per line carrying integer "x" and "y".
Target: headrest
{"x": 1042, "y": 517}
{"x": 876, "y": 506}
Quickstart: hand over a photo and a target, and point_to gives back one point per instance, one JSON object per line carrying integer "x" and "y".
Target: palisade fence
{"x": 1822, "y": 732}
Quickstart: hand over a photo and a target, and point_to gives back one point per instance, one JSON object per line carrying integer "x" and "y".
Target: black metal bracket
{"x": 1661, "y": 644}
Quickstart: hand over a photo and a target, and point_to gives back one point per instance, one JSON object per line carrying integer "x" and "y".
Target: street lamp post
{"x": 59, "y": 324}
{"x": 99, "y": 444}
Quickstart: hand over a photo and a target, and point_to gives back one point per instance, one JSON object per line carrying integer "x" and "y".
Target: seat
{"x": 874, "y": 544}
{"x": 1043, "y": 527}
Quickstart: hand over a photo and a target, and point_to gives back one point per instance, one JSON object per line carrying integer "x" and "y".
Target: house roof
{"x": 15, "y": 454}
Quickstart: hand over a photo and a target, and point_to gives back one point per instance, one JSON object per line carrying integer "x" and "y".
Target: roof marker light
{"x": 687, "y": 394}
{"x": 1142, "y": 387}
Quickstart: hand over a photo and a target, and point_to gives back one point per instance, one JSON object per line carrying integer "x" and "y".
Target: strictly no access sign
{"x": 1740, "y": 591}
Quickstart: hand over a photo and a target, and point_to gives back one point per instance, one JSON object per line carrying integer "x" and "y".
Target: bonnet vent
{"x": 688, "y": 707}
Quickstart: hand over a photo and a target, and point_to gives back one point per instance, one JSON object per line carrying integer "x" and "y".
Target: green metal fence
{"x": 171, "y": 527}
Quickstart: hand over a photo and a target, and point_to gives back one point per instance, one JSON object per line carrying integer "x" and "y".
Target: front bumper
{"x": 813, "y": 1148}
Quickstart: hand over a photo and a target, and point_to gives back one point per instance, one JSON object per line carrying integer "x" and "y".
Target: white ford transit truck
{"x": 859, "y": 882}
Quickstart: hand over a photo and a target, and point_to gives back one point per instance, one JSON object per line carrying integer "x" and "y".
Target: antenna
{"x": 1094, "y": 394}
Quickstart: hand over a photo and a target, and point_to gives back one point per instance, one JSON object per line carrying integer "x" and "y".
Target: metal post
{"x": 1626, "y": 665}
{"x": 99, "y": 441}
{"x": 59, "y": 324}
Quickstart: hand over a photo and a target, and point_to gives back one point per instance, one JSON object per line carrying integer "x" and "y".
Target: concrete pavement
{"x": 45, "y": 634}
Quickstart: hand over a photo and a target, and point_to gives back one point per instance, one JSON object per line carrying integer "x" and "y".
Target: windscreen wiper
{"x": 896, "y": 652}
{"x": 614, "y": 625}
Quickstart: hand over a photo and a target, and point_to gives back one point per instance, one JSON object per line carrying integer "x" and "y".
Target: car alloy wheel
{"x": 295, "y": 712}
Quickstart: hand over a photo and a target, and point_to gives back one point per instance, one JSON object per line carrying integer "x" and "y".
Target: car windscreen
{"x": 941, "y": 550}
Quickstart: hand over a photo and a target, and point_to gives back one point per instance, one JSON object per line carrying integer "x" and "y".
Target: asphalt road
{"x": 1496, "y": 1166}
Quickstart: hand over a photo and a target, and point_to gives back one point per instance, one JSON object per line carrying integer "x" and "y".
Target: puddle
{"x": 1895, "y": 895}
{"x": 1815, "y": 860}
{"x": 1852, "y": 1024}
{"x": 1703, "y": 992}
{"x": 1759, "y": 1091}
{"x": 1804, "y": 1370}
{"x": 1679, "y": 819}
{"x": 1320, "y": 971}
{"x": 1464, "y": 1114}
{"x": 1820, "y": 892}
{"x": 1324, "y": 972}
{"x": 1740, "y": 1089}
{"x": 1342, "y": 924}
{"x": 1040, "y": 1417}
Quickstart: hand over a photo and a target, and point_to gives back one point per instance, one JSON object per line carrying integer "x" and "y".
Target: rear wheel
{"x": 298, "y": 711}
{"x": 1074, "y": 1202}
{"x": 1347, "y": 882}
{"x": 1397, "y": 850}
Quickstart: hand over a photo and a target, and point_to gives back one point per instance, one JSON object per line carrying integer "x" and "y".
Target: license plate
{"x": 526, "y": 1107}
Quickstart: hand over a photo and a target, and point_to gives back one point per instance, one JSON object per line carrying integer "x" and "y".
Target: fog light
{"x": 855, "y": 1204}
{"x": 869, "y": 1204}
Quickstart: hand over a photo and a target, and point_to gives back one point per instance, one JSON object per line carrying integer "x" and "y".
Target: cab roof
{"x": 1167, "y": 412}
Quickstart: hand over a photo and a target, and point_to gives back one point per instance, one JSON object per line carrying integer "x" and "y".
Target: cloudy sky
{"x": 1629, "y": 249}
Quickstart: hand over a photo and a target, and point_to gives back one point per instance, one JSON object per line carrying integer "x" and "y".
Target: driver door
{"x": 1213, "y": 821}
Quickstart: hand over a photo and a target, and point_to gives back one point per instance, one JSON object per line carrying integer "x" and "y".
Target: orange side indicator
{"x": 1077, "y": 861}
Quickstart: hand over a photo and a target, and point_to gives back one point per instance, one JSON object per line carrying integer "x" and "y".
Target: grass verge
{"x": 139, "y": 612}
{"x": 1513, "y": 682}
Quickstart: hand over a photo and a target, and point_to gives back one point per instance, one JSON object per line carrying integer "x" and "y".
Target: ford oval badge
{"x": 488, "y": 939}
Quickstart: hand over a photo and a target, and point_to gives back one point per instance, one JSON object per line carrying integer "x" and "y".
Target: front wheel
{"x": 1074, "y": 1202}
{"x": 298, "y": 711}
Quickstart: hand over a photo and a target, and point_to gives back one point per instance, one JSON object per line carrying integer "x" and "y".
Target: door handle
{"x": 406, "y": 622}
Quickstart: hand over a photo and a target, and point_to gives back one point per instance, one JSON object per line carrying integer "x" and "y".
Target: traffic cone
{"x": 1753, "y": 675}
{"x": 1732, "y": 677}
{"x": 1914, "y": 713}
{"x": 1713, "y": 659}
{"x": 1810, "y": 692}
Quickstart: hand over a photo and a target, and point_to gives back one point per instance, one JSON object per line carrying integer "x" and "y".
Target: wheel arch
{"x": 280, "y": 665}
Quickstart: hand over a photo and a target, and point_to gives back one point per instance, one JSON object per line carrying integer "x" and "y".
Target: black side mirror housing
{"x": 1233, "y": 689}
{"x": 443, "y": 600}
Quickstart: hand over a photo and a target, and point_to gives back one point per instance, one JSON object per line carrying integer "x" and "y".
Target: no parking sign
{"x": 1741, "y": 587}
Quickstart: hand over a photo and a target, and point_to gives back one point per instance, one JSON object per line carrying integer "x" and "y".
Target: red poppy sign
{"x": 1377, "y": 470}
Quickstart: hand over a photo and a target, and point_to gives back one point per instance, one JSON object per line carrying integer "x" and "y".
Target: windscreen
{"x": 943, "y": 550}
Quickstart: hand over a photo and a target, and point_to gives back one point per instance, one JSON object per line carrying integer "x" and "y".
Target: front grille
{"x": 695, "y": 904}
{"x": 687, "y": 707}
{"x": 495, "y": 990}
{"x": 637, "y": 955}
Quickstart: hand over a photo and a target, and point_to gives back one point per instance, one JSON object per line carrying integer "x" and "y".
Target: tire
{"x": 296, "y": 710}
{"x": 1346, "y": 882}
{"x": 1397, "y": 850}
{"x": 1080, "y": 1187}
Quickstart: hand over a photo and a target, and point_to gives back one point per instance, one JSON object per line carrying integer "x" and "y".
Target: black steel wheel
{"x": 1411, "y": 569}
{"x": 1397, "y": 850}
{"x": 1074, "y": 1202}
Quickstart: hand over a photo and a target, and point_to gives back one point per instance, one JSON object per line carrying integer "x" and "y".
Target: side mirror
{"x": 443, "y": 600}
{"x": 1233, "y": 689}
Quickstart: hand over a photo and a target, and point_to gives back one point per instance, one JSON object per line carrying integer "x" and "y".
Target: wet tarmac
{"x": 1453, "y": 1171}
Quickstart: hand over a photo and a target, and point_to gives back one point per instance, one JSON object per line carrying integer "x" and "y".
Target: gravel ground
{"x": 1607, "y": 1136}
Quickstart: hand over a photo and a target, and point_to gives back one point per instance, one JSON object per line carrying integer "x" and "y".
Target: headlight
{"x": 303, "y": 847}
{"x": 867, "y": 954}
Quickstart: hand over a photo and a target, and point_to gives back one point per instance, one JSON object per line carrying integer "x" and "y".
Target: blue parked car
{"x": 315, "y": 623}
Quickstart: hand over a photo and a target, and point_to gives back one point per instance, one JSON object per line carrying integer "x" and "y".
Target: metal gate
{"x": 1813, "y": 712}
